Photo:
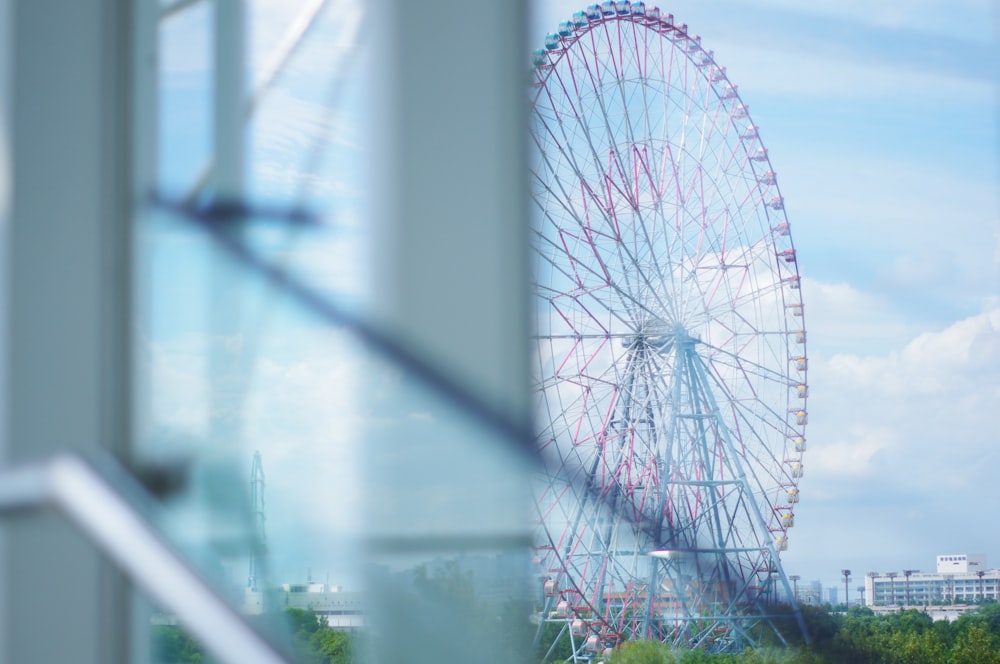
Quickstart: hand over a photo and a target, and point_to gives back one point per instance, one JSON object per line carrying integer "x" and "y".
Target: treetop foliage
{"x": 857, "y": 637}
{"x": 312, "y": 642}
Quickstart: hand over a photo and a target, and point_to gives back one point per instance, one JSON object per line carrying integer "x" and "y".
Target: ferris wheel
{"x": 670, "y": 361}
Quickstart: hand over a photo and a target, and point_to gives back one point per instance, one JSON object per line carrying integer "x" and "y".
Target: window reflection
{"x": 339, "y": 485}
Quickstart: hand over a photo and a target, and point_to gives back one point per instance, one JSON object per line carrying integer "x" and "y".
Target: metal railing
{"x": 104, "y": 502}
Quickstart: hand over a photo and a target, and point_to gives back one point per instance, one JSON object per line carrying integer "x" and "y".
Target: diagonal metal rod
{"x": 375, "y": 338}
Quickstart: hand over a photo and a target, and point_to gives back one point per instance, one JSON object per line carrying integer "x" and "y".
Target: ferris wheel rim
{"x": 643, "y": 324}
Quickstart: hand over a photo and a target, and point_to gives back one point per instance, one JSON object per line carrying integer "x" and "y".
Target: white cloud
{"x": 950, "y": 364}
{"x": 854, "y": 455}
{"x": 907, "y": 419}
{"x": 910, "y": 226}
{"x": 899, "y": 437}
{"x": 838, "y": 315}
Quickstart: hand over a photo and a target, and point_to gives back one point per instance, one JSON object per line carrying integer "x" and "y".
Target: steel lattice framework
{"x": 258, "y": 548}
{"x": 671, "y": 364}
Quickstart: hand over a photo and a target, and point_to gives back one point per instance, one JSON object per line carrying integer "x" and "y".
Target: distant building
{"x": 811, "y": 593}
{"x": 338, "y": 608}
{"x": 961, "y": 563}
{"x": 832, "y": 595}
{"x": 958, "y": 579}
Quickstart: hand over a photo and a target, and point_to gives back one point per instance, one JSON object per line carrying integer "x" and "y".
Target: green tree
{"x": 945, "y": 632}
{"x": 641, "y": 652}
{"x": 313, "y": 642}
{"x": 303, "y": 622}
{"x": 516, "y": 631}
{"x": 911, "y": 621}
{"x": 987, "y": 616}
{"x": 332, "y": 647}
{"x": 171, "y": 644}
{"x": 561, "y": 650}
{"x": 917, "y": 647}
{"x": 975, "y": 645}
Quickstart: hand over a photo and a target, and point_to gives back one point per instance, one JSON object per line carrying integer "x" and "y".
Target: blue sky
{"x": 342, "y": 434}
{"x": 881, "y": 124}
{"x": 880, "y": 120}
{"x": 287, "y": 383}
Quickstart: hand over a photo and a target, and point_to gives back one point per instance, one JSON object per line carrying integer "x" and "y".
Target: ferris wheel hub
{"x": 661, "y": 338}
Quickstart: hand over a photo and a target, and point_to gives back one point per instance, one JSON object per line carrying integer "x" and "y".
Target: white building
{"x": 340, "y": 609}
{"x": 958, "y": 579}
{"x": 961, "y": 563}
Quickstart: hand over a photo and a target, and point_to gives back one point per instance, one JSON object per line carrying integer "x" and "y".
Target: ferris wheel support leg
{"x": 546, "y": 607}
{"x": 699, "y": 367}
{"x": 647, "y": 619}
{"x": 688, "y": 358}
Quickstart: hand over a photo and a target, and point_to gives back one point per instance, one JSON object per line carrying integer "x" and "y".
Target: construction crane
{"x": 258, "y": 547}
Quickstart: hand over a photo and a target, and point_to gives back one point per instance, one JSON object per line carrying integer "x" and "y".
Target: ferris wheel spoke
{"x": 746, "y": 366}
{"x": 619, "y": 165}
{"x": 565, "y": 200}
{"x": 624, "y": 96}
{"x": 772, "y": 477}
{"x": 620, "y": 247}
{"x": 632, "y": 303}
{"x": 611, "y": 214}
{"x": 580, "y": 173}
{"x": 753, "y": 424}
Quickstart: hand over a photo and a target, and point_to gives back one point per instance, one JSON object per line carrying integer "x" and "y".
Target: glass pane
{"x": 375, "y": 491}
{"x": 334, "y": 487}
{"x": 183, "y": 107}
{"x": 251, "y": 395}
{"x": 446, "y": 540}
